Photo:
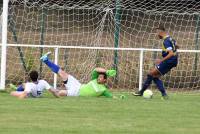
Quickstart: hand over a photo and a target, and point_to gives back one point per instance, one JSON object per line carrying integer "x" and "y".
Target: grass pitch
{"x": 78, "y": 115}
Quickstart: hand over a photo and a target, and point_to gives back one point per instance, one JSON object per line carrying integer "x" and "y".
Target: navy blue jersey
{"x": 169, "y": 44}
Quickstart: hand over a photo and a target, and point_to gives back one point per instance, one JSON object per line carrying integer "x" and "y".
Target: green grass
{"x": 74, "y": 115}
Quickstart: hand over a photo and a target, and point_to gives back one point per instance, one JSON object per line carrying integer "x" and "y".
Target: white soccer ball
{"x": 148, "y": 94}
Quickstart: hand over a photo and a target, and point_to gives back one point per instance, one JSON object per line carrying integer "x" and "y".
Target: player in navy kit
{"x": 169, "y": 61}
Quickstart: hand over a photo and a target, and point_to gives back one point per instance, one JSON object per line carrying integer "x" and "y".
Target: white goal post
{"x": 82, "y": 35}
{"x": 0, "y": 25}
{"x": 3, "y": 43}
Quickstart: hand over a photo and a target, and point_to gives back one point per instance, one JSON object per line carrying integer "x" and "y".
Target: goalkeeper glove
{"x": 111, "y": 73}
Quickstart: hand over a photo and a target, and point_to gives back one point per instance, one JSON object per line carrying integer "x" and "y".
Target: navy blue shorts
{"x": 164, "y": 67}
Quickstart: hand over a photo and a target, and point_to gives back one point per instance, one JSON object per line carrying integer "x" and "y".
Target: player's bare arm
{"x": 54, "y": 92}
{"x": 170, "y": 54}
{"x": 100, "y": 70}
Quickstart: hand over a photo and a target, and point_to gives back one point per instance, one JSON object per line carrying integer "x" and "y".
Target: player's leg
{"x": 64, "y": 77}
{"x": 16, "y": 93}
{"x": 160, "y": 86}
{"x": 153, "y": 73}
{"x": 162, "y": 68}
{"x": 17, "y": 88}
{"x": 55, "y": 68}
{"x": 20, "y": 88}
{"x": 72, "y": 84}
{"x": 146, "y": 84}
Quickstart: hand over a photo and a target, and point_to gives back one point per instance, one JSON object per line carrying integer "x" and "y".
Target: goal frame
{"x": 56, "y": 51}
{"x": 4, "y": 44}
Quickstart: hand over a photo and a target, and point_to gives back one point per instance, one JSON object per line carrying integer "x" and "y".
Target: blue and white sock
{"x": 55, "y": 68}
{"x": 20, "y": 88}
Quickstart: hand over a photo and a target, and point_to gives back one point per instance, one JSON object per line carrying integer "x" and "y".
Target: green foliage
{"x": 30, "y": 63}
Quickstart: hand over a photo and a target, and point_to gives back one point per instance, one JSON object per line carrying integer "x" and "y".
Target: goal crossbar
{"x": 97, "y": 48}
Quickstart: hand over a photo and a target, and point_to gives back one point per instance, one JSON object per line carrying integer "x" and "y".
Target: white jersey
{"x": 36, "y": 90}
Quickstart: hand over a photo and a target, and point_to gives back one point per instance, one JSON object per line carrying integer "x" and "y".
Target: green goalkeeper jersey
{"x": 93, "y": 88}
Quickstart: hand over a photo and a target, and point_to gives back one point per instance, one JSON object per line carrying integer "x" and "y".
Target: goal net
{"x": 107, "y": 26}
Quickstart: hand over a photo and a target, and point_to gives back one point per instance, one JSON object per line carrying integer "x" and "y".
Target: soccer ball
{"x": 148, "y": 94}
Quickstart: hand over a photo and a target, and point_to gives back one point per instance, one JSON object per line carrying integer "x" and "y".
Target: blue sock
{"x": 55, "y": 68}
{"x": 20, "y": 88}
{"x": 147, "y": 83}
{"x": 160, "y": 86}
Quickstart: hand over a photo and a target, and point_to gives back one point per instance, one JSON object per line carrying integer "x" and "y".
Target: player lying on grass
{"x": 34, "y": 88}
{"x": 169, "y": 61}
{"x": 96, "y": 87}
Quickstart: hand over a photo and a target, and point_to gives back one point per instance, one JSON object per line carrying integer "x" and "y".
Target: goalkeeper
{"x": 169, "y": 61}
{"x": 96, "y": 87}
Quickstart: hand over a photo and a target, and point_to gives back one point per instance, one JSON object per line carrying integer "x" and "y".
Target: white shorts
{"x": 72, "y": 86}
